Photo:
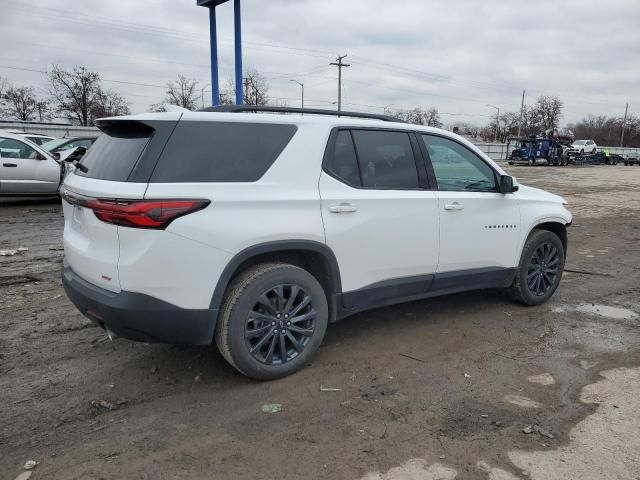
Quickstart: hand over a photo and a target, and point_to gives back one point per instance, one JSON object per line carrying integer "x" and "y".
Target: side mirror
{"x": 506, "y": 184}
{"x": 56, "y": 155}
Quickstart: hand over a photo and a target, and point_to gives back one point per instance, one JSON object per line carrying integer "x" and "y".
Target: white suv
{"x": 580, "y": 147}
{"x": 256, "y": 230}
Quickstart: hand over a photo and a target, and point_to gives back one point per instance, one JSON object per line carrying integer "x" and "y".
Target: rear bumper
{"x": 137, "y": 316}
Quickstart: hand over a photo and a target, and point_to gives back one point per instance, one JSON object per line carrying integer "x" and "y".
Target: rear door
{"x": 24, "y": 170}
{"x": 116, "y": 158}
{"x": 380, "y": 218}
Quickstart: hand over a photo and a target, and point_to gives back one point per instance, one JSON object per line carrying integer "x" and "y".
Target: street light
{"x": 495, "y": 138}
{"x": 302, "y": 87}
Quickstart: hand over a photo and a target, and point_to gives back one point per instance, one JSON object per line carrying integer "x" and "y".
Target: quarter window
{"x": 456, "y": 168}
{"x": 386, "y": 159}
{"x": 343, "y": 162}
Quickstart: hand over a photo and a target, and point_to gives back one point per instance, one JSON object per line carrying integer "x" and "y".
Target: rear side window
{"x": 386, "y": 159}
{"x": 221, "y": 151}
{"x": 115, "y": 152}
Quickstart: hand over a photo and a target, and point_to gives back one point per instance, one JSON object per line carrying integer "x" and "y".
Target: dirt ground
{"x": 438, "y": 389}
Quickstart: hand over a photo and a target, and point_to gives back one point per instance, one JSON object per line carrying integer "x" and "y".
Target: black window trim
{"x": 432, "y": 173}
{"x": 423, "y": 177}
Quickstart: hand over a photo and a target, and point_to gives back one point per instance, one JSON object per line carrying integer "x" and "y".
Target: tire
{"x": 532, "y": 161}
{"x": 549, "y": 249}
{"x": 293, "y": 285}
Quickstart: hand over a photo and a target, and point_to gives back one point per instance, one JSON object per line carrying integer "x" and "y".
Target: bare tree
{"x": 181, "y": 92}
{"x": 255, "y": 89}
{"x": 20, "y": 103}
{"x": 548, "y": 110}
{"x": 420, "y": 116}
{"x": 74, "y": 92}
{"x": 4, "y": 84}
{"x": 606, "y": 130}
{"x": 507, "y": 127}
{"x": 109, "y": 104}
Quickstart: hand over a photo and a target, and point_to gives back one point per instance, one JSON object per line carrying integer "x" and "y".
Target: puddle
{"x": 414, "y": 469}
{"x": 521, "y": 401}
{"x": 543, "y": 379}
{"x": 617, "y": 313}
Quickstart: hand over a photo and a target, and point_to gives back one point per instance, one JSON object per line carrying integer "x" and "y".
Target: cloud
{"x": 457, "y": 56}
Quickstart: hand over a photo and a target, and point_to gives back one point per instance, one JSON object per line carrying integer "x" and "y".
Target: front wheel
{"x": 273, "y": 319}
{"x": 540, "y": 269}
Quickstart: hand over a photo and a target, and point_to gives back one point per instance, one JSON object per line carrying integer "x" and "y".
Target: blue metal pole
{"x": 215, "y": 87}
{"x": 238, "y": 45}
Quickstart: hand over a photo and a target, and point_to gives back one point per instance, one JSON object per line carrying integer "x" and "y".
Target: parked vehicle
{"x": 632, "y": 160}
{"x": 27, "y": 169}
{"x": 256, "y": 230}
{"x": 537, "y": 150}
{"x": 70, "y": 143}
{"x": 582, "y": 147}
{"x": 36, "y": 138}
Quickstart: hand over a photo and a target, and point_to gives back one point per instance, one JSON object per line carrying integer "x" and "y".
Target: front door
{"x": 23, "y": 170}
{"x": 479, "y": 227}
{"x": 380, "y": 219}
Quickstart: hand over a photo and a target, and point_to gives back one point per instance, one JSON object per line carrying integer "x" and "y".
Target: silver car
{"x": 27, "y": 169}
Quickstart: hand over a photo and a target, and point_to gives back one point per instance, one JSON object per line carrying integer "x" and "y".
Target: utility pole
{"x": 338, "y": 63}
{"x": 624, "y": 122}
{"x": 246, "y": 90}
{"x": 302, "y": 87}
{"x": 521, "y": 114}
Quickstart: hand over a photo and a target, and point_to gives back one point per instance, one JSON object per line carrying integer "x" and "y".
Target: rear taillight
{"x": 155, "y": 214}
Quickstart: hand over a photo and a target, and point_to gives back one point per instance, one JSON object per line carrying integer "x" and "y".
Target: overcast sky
{"x": 456, "y": 55}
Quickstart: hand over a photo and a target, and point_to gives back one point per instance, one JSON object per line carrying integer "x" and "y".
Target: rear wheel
{"x": 272, "y": 321}
{"x": 540, "y": 268}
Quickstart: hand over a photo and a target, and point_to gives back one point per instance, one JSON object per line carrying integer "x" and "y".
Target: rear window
{"x": 221, "y": 151}
{"x": 115, "y": 152}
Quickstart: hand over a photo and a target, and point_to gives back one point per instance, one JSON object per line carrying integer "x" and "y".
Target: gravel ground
{"x": 436, "y": 389}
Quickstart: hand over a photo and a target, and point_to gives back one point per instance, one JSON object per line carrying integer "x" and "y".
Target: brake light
{"x": 156, "y": 214}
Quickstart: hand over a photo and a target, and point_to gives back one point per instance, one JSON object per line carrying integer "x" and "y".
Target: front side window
{"x": 456, "y": 168}
{"x": 386, "y": 159}
{"x": 10, "y": 148}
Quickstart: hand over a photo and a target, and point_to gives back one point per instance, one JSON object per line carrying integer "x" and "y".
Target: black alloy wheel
{"x": 543, "y": 269}
{"x": 280, "y": 324}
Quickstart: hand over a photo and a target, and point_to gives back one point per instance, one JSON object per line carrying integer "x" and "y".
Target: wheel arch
{"x": 554, "y": 226}
{"x": 315, "y": 257}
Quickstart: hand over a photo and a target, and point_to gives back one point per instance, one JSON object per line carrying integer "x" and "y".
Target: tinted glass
{"x": 221, "y": 151}
{"x": 10, "y": 148}
{"x": 115, "y": 152}
{"x": 386, "y": 159}
{"x": 343, "y": 162}
{"x": 456, "y": 168}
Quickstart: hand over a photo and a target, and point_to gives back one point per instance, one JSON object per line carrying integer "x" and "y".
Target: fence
{"x": 57, "y": 130}
{"x": 498, "y": 151}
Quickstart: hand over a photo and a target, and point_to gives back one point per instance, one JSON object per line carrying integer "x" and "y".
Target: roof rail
{"x": 310, "y": 111}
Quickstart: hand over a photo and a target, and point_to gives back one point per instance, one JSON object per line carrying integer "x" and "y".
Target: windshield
{"x": 579, "y": 142}
{"x": 53, "y": 144}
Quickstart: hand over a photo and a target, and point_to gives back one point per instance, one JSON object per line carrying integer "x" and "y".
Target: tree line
{"x": 78, "y": 94}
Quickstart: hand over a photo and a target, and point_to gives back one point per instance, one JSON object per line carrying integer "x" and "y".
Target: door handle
{"x": 9, "y": 165}
{"x": 454, "y": 206}
{"x": 343, "y": 208}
